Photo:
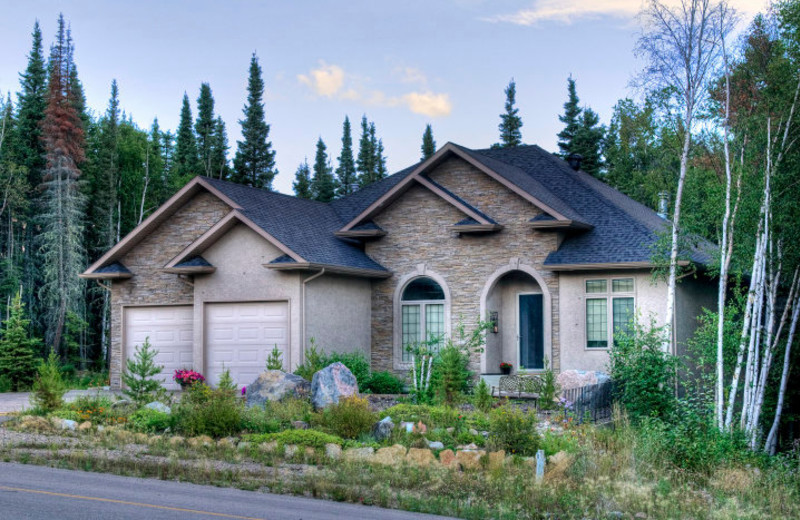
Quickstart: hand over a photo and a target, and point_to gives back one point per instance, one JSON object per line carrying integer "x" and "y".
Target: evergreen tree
{"x": 510, "y": 122}
{"x": 139, "y": 377}
{"x": 380, "y": 162}
{"x": 219, "y": 151}
{"x": 17, "y": 348}
{"x": 365, "y": 164}
{"x": 428, "y": 144}
{"x": 254, "y": 163}
{"x": 571, "y": 120}
{"x": 157, "y": 164}
{"x": 323, "y": 186}
{"x": 588, "y": 142}
{"x": 302, "y": 181}
{"x": 61, "y": 238}
{"x": 185, "y": 163}
{"x": 204, "y": 128}
{"x": 346, "y": 171}
{"x": 105, "y": 180}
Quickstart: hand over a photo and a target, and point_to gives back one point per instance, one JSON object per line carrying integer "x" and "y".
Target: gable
{"x": 241, "y": 250}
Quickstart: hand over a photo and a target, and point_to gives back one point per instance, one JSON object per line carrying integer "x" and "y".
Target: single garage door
{"x": 240, "y": 336}
{"x": 170, "y": 330}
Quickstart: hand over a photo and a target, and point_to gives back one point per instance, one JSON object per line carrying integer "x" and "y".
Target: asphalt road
{"x": 37, "y": 492}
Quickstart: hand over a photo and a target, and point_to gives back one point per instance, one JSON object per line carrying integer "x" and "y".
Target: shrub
{"x": 513, "y": 431}
{"x": 482, "y": 399}
{"x": 309, "y": 438}
{"x": 385, "y": 383}
{"x": 450, "y": 376}
{"x": 226, "y": 383}
{"x": 349, "y": 418}
{"x": 17, "y": 359}
{"x": 48, "y": 388}
{"x": 149, "y": 421}
{"x": 288, "y": 410}
{"x": 314, "y": 362}
{"x": 356, "y": 362}
{"x": 208, "y": 411}
{"x": 549, "y": 388}
{"x": 95, "y": 408}
{"x": 259, "y": 420}
{"x": 642, "y": 372}
{"x": 274, "y": 361}
{"x": 5, "y": 384}
{"x": 431, "y": 416}
{"x": 138, "y": 377}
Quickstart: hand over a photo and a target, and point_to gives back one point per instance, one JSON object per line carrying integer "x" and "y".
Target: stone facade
{"x": 418, "y": 241}
{"x": 151, "y": 286}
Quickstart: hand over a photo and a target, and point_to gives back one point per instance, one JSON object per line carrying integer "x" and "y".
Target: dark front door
{"x": 531, "y": 331}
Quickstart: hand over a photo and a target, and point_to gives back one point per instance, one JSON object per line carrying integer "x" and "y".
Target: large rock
{"x": 382, "y": 429}
{"x": 331, "y": 384}
{"x": 158, "y": 406}
{"x": 569, "y": 379}
{"x": 274, "y": 385}
{"x": 420, "y": 457}
{"x": 390, "y": 456}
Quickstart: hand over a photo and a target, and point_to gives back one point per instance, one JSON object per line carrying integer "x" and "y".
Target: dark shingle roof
{"x": 115, "y": 268}
{"x": 195, "y": 261}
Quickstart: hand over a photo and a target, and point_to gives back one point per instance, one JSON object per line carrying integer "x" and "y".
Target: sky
{"x": 403, "y": 64}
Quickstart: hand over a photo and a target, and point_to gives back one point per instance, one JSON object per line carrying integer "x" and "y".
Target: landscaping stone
{"x": 558, "y": 464}
{"x": 450, "y": 429}
{"x": 274, "y": 385}
{"x": 299, "y": 425}
{"x": 448, "y": 459}
{"x": 390, "y": 456}
{"x": 358, "y": 453}
{"x": 268, "y": 447}
{"x": 158, "y": 406}
{"x": 244, "y": 446}
{"x": 469, "y": 447}
{"x": 141, "y": 438}
{"x": 420, "y": 428}
{"x": 382, "y": 429}
{"x": 473, "y": 431}
{"x": 200, "y": 441}
{"x": 407, "y": 426}
{"x": 34, "y": 423}
{"x": 100, "y": 428}
{"x": 469, "y": 459}
{"x": 436, "y": 445}
{"x": 121, "y": 403}
{"x": 289, "y": 450}
{"x": 331, "y": 384}
{"x": 227, "y": 442}
{"x": 309, "y": 451}
{"x": 420, "y": 457}
{"x": 497, "y": 459}
{"x": 176, "y": 440}
{"x": 333, "y": 451}
{"x": 85, "y": 426}
{"x": 67, "y": 424}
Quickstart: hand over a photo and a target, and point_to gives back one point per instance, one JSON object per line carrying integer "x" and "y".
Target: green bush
{"x": 513, "y": 431}
{"x": 450, "y": 376}
{"x": 482, "y": 398}
{"x": 314, "y": 362}
{"x": 356, "y": 362}
{"x": 17, "y": 358}
{"x": 385, "y": 383}
{"x": 431, "y": 416}
{"x": 48, "y": 388}
{"x": 309, "y": 438}
{"x": 289, "y": 410}
{"x": 66, "y": 413}
{"x": 208, "y": 411}
{"x": 643, "y": 374}
{"x": 549, "y": 388}
{"x": 274, "y": 361}
{"x": 5, "y": 384}
{"x": 149, "y": 421}
{"x": 141, "y": 387}
{"x": 349, "y": 418}
{"x": 259, "y": 420}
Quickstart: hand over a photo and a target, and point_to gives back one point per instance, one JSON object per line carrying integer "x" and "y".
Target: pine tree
{"x": 365, "y": 164}
{"x": 204, "y": 128}
{"x": 219, "y": 151}
{"x": 510, "y": 122}
{"x": 346, "y": 171}
{"x": 571, "y": 120}
{"x": 254, "y": 163}
{"x": 61, "y": 239}
{"x": 323, "y": 186}
{"x": 428, "y": 144}
{"x": 588, "y": 142}
{"x": 380, "y": 162}
{"x": 185, "y": 162}
{"x": 141, "y": 385}
{"x": 103, "y": 215}
{"x": 302, "y": 181}
{"x": 157, "y": 164}
{"x": 17, "y": 348}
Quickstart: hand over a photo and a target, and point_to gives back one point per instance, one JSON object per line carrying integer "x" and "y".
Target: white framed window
{"x": 422, "y": 314}
{"x": 608, "y": 302}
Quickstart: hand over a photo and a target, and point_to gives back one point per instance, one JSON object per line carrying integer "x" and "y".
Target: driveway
{"x": 17, "y": 401}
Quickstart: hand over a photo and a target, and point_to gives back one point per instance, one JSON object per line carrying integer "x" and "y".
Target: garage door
{"x": 240, "y": 336}
{"x": 170, "y": 330}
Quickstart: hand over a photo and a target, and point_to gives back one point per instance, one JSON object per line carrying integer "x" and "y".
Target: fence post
{"x": 539, "y": 464}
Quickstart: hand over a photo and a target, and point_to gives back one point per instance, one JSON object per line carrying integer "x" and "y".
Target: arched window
{"x": 422, "y": 314}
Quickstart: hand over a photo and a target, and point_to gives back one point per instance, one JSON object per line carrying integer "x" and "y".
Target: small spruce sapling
{"x": 274, "y": 361}
{"x": 17, "y": 348}
{"x": 49, "y": 387}
{"x": 482, "y": 399}
{"x": 139, "y": 377}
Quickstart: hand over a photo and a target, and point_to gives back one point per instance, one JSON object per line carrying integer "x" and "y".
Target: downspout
{"x": 303, "y": 324}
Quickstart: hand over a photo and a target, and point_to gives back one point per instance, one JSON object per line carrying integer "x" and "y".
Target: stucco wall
{"x": 692, "y": 296}
{"x": 504, "y": 345}
{"x": 239, "y": 257}
{"x": 150, "y": 286}
{"x": 338, "y": 313}
{"x": 650, "y": 300}
{"x": 418, "y": 241}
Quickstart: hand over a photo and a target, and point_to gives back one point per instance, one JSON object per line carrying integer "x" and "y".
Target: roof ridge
{"x": 264, "y": 191}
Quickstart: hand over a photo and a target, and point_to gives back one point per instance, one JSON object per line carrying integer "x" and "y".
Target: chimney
{"x": 574, "y": 160}
{"x": 663, "y": 202}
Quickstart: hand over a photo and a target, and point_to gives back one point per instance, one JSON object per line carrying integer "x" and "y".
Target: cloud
{"x": 568, "y": 11}
{"x": 428, "y": 103}
{"x": 327, "y": 80}
{"x": 412, "y": 75}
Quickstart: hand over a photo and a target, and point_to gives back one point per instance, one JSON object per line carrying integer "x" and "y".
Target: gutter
{"x": 303, "y": 318}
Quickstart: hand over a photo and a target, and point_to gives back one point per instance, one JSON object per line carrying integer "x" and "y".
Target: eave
{"x": 335, "y": 269}
{"x": 475, "y": 228}
{"x": 198, "y": 269}
{"x": 556, "y": 225}
{"x": 105, "y": 276}
{"x": 361, "y": 233}
{"x": 607, "y": 266}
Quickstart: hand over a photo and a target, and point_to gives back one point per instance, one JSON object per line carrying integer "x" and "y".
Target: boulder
{"x": 436, "y": 445}
{"x": 200, "y": 441}
{"x": 299, "y": 425}
{"x": 34, "y": 423}
{"x": 243, "y": 446}
{"x": 420, "y": 457}
{"x": 469, "y": 459}
{"x": 85, "y": 426}
{"x": 448, "y": 459}
{"x": 290, "y": 450}
{"x": 358, "y": 453}
{"x": 176, "y": 440}
{"x": 67, "y": 424}
{"x": 268, "y": 447}
{"x": 333, "y": 451}
{"x": 331, "y": 384}
{"x": 382, "y": 429}
{"x": 497, "y": 459}
{"x": 158, "y": 406}
{"x": 391, "y": 456}
{"x": 274, "y": 385}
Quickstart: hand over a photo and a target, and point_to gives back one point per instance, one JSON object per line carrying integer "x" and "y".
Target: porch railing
{"x": 590, "y": 403}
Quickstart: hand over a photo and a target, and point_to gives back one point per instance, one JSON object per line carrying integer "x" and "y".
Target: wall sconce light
{"x": 493, "y": 320}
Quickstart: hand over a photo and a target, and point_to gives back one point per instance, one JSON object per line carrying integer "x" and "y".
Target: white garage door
{"x": 240, "y": 336}
{"x": 170, "y": 330}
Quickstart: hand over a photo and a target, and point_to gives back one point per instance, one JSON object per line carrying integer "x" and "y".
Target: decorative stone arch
{"x": 515, "y": 265}
{"x": 421, "y": 271}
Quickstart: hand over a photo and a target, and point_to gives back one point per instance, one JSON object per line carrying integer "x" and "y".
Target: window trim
{"x": 397, "y": 311}
{"x": 609, "y": 295}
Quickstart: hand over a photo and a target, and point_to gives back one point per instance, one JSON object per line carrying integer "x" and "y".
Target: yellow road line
{"x": 125, "y": 502}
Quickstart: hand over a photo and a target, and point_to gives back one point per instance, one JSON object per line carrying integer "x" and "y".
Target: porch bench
{"x": 518, "y": 387}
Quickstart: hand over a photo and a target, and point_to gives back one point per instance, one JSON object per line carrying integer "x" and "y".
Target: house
{"x": 222, "y": 273}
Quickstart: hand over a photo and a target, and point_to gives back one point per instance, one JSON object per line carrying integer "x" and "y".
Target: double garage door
{"x": 238, "y": 337}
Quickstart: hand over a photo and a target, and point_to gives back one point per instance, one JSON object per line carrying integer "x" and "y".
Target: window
{"x": 604, "y": 308}
{"x": 421, "y": 314}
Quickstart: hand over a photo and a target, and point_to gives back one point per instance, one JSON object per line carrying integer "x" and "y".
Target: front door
{"x": 531, "y": 332}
